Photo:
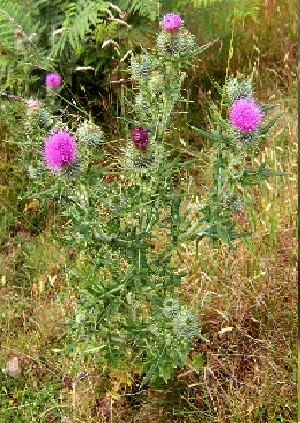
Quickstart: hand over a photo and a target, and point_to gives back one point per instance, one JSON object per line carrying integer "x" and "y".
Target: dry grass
{"x": 246, "y": 302}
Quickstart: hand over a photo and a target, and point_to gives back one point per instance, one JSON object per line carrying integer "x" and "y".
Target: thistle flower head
{"x": 59, "y": 149}
{"x": 140, "y": 137}
{"x": 52, "y": 80}
{"x": 245, "y": 114}
{"x": 171, "y": 22}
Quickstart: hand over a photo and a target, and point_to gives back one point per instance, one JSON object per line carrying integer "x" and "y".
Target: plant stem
{"x": 196, "y": 268}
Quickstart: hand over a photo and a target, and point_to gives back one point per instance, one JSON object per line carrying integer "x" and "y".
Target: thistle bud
{"x": 142, "y": 68}
{"x": 89, "y": 134}
{"x": 186, "y": 324}
{"x": 237, "y": 89}
{"x": 171, "y": 308}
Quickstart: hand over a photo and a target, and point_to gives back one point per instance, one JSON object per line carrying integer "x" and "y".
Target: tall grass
{"x": 246, "y": 297}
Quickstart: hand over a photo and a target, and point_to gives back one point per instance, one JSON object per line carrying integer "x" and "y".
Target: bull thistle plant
{"x": 130, "y": 308}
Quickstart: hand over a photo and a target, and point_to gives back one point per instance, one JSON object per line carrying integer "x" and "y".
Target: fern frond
{"x": 78, "y": 21}
{"x": 12, "y": 15}
{"x": 145, "y": 8}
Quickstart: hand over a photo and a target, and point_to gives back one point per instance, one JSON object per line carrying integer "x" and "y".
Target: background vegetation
{"x": 247, "y": 297}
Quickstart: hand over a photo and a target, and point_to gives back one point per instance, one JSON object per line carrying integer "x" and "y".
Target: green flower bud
{"x": 37, "y": 169}
{"x": 140, "y": 159}
{"x": 232, "y": 202}
{"x": 116, "y": 202}
{"x": 186, "y": 324}
{"x": 171, "y": 308}
{"x": 89, "y": 134}
{"x": 71, "y": 170}
{"x": 140, "y": 68}
{"x": 236, "y": 166}
{"x": 43, "y": 118}
{"x": 236, "y": 89}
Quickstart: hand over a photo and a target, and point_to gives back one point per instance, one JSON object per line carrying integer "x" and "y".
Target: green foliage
{"x": 218, "y": 15}
{"x": 143, "y": 8}
{"x": 244, "y": 8}
{"x": 11, "y": 16}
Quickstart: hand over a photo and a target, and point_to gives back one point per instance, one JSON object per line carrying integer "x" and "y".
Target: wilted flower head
{"x": 33, "y": 104}
{"x": 53, "y": 80}
{"x": 59, "y": 149}
{"x": 19, "y": 32}
{"x": 186, "y": 324}
{"x": 140, "y": 137}
{"x": 171, "y": 22}
{"x": 245, "y": 114}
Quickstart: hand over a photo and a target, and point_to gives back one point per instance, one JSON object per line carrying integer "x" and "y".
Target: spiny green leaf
{"x": 266, "y": 174}
{"x": 266, "y": 128}
{"x": 269, "y": 106}
{"x": 223, "y": 234}
{"x": 151, "y": 372}
{"x": 212, "y": 137}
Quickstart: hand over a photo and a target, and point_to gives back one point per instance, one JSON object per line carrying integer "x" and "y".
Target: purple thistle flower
{"x": 53, "y": 80}
{"x": 245, "y": 114}
{"x": 171, "y": 22}
{"x": 59, "y": 149}
{"x": 139, "y": 136}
